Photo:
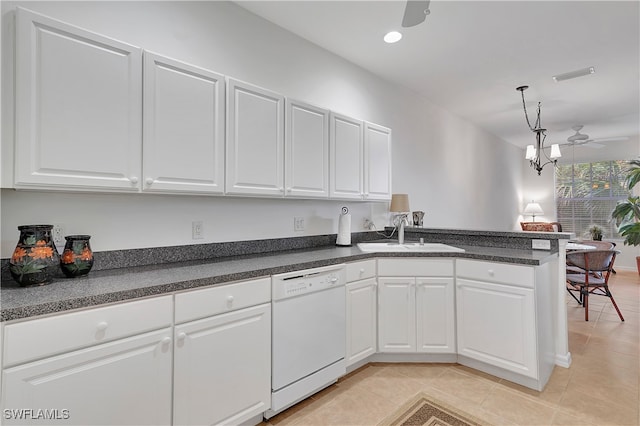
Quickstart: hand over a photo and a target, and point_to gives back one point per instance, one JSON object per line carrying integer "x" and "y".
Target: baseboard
{"x": 414, "y": 357}
{"x": 563, "y": 360}
{"x": 525, "y": 381}
{"x": 625, "y": 268}
{"x": 353, "y": 367}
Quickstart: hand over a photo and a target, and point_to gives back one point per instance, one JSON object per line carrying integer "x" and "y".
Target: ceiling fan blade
{"x": 415, "y": 12}
{"x": 592, "y": 144}
{"x": 617, "y": 139}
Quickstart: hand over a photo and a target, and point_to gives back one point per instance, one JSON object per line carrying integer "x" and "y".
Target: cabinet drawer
{"x": 44, "y": 337}
{"x": 361, "y": 270}
{"x": 224, "y": 298}
{"x": 518, "y": 275}
{"x": 415, "y": 267}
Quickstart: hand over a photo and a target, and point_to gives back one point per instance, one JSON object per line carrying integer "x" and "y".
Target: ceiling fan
{"x": 583, "y": 139}
{"x": 415, "y": 12}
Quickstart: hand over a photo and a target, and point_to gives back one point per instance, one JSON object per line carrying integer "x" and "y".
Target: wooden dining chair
{"x": 590, "y": 275}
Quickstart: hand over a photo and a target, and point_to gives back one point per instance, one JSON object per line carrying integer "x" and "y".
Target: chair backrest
{"x": 593, "y": 260}
{"x": 537, "y": 226}
{"x": 599, "y": 245}
{"x": 556, "y": 226}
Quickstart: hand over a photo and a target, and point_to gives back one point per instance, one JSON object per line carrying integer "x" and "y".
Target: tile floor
{"x": 600, "y": 388}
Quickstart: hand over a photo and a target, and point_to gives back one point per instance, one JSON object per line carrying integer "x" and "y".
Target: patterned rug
{"x": 423, "y": 410}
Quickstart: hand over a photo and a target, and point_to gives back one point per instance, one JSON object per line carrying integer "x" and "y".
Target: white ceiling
{"x": 469, "y": 56}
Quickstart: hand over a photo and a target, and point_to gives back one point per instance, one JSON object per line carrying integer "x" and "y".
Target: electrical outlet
{"x": 57, "y": 234}
{"x": 298, "y": 223}
{"x": 541, "y": 244}
{"x": 368, "y": 224}
{"x": 197, "y": 230}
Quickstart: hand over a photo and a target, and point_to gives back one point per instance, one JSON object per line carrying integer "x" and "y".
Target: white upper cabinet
{"x": 183, "y": 144}
{"x": 255, "y": 140}
{"x": 377, "y": 162}
{"x": 346, "y": 162}
{"x": 78, "y": 107}
{"x": 306, "y": 150}
{"x": 93, "y": 114}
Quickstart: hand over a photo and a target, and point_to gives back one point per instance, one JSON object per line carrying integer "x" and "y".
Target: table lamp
{"x": 533, "y": 209}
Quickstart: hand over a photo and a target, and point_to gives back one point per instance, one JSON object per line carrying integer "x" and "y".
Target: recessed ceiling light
{"x": 574, "y": 74}
{"x": 392, "y": 37}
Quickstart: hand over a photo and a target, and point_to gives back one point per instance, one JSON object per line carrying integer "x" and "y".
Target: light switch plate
{"x": 541, "y": 244}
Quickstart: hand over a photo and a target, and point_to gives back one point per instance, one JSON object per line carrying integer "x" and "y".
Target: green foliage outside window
{"x": 587, "y": 193}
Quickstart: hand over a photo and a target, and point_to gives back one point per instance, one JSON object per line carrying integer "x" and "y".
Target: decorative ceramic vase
{"x": 35, "y": 259}
{"x": 77, "y": 257}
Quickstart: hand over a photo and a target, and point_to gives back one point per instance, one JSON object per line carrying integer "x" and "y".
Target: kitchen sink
{"x": 408, "y": 247}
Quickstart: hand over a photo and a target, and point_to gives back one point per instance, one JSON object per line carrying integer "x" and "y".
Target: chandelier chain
{"x": 524, "y": 106}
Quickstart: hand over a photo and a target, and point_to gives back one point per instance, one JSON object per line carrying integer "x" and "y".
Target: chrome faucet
{"x": 403, "y": 219}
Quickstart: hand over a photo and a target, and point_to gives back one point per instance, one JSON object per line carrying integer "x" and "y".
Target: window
{"x": 587, "y": 193}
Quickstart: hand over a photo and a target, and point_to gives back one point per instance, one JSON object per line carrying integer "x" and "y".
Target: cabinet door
{"x": 78, "y": 108}
{"x": 396, "y": 315}
{"x": 255, "y": 140}
{"x": 123, "y": 382}
{"x": 361, "y": 320}
{"x": 496, "y": 325}
{"x": 435, "y": 315}
{"x": 183, "y": 145}
{"x": 222, "y": 368}
{"x": 346, "y": 157}
{"x": 306, "y": 150}
{"x": 377, "y": 162}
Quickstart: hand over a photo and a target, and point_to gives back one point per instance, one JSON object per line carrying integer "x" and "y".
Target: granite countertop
{"x": 107, "y": 286}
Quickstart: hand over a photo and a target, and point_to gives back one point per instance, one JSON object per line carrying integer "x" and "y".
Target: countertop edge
{"x": 74, "y": 303}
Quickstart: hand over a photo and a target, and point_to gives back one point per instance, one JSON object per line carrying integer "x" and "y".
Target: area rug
{"x": 424, "y": 410}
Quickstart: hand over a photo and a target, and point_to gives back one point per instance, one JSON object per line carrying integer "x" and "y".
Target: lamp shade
{"x": 533, "y": 209}
{"x": 555, "y": 151}
{"x": 531, "y": 153}
{"x": 399, "y": 203}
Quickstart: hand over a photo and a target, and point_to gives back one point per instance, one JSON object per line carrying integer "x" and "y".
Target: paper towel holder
{"x": 343, "y": 238}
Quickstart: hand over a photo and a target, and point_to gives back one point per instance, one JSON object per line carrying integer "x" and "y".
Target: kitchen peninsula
{"x": 497, "y": 282}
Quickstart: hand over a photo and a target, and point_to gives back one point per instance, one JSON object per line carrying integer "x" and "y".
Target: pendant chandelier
{"x": 535, "y": 152}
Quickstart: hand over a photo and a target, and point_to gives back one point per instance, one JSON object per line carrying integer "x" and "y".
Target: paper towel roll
{"x": 344, "y": 229}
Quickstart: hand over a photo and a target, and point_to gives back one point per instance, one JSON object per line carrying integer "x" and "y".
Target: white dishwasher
{"x": 308, "y": 333}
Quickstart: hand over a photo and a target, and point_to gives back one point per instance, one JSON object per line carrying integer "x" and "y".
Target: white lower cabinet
{"x": 119, "y": 383}
{"x": 435, "y": 315}
{"x": 361, "y": 311}
{"x": 416, "y": 312}
{"x": 504, "y": 318}
{"x": 496, "y": 325}
{"x": 95, "y": 374}
{"x": 222, "y": 366}
{"x": 396, "y": 315}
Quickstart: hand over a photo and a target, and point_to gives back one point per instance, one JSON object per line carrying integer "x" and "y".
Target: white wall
{"x": 460, "y": 175}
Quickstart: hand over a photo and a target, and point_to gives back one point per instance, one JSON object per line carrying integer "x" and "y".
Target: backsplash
{"x": 116, "y": 259}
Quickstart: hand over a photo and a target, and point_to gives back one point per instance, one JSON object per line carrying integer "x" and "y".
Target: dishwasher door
{"x": 308, "y": 334}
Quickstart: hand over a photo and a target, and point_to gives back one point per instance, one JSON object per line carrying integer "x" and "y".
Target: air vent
{"x": 574, "y": 74}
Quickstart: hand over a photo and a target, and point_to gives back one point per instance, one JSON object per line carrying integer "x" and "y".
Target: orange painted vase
{"x": 35, "y": 260}
{"x": 77, "y": 257}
